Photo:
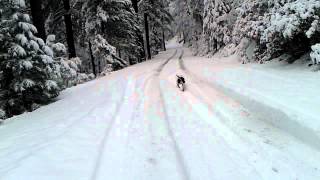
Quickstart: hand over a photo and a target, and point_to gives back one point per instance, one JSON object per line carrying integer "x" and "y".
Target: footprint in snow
{"x": 152, "y": 161}
{"x": 275, "y": 170}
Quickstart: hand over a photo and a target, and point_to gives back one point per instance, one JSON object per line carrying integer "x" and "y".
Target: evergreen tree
{"x": 38, "y": 17}
{"x": 28, "y": 71}
{"x": 217, "y": 27}
{"x": 159, "y": 19}
{"x": 117, "y": 23}
{"x": 69, "y": 29}
{"x": 292, "y": 28}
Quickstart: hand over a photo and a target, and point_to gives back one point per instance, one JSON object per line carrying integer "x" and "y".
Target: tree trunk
{"x": 69, "y": 30}
{"x": 163, "y": 40}
{"x": 38, "y": 18}
{"x": 120, "y": 54}
{"x": 146, "y": 26}
{"x": 135, "y": 5}
{"x": 92, "y": 60}
{"x": 99, "y": 66}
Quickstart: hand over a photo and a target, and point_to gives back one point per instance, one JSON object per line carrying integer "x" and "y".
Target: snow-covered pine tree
{"x": 216, "y": 24}
{"x": 292, "y": 28}
{"x": 249, "y": 23}
{"x": 122, "y": 31}
{"x": 116, "y": 22}
{"x": 105, "y": 54}
{"x": 315, "y": 54}
{"x": 188, "y": 22}
{"x": 159, "y": 19}
{"x": 248, "y": 26}
{"x": 26, "y": 62}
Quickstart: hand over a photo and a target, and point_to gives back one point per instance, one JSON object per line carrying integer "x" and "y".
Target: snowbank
{"x": 284, "y": 95}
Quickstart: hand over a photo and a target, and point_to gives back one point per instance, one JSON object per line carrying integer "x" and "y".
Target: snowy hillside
{"x": 135, "y": 124}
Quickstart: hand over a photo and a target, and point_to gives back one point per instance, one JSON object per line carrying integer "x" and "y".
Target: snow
{"x": 20, "y": 3}
{"x": 17, "y": 50}
{"x": 48, "y": 51}
{"x": 50, "y": 39}
{"x": 313, "y": 28}
{"x": 288, "y": 97}
{"x": 34, "y": 45}
{"x": 59, "y": 47}
{"x": 22, "y": 39}
{"x": 40, "y": 42}
{"x": 27, "y": 27}
{"x": 315, "y": 54}
{"x": 51, "y": 85}
{"x": 289, "y": 18}
{"x": 134, "y": 124}
{"x": 26, "y": 17}
{"x": 27, "y": 65}
{"x": 2, "y": 115}
{"x": 46, "y": 59}
{"x": 27, "y": 83}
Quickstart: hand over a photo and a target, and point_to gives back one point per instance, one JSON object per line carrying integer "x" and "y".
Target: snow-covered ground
{"x": 233, "y": 122}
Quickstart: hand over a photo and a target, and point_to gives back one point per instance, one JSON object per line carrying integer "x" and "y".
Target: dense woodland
{"x": 49, "y": 45}
{"x": 257, "y": 30}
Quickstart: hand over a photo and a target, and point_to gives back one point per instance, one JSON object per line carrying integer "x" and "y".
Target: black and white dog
{"x": 181, "y": 83}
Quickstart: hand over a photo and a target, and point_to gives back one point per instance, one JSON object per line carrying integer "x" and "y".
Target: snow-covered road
{"x": 136, "y": 125}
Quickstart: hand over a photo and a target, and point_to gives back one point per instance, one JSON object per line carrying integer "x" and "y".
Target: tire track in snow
{"x": 101, "y": 148}
{"x": 127, "y": 94}
{"x": 47, "y": 142}
{"x": 160, "y": 68}
{"x": 179, "y": 157}
{"x": 200, "y": 97}
{"x": 208, "y": 137}
{"x": 181, "y": 64}
{"x": 39, "y": 131}
{"x": 180, "y": 164}
{"x": 248, "y": 142}
{"x": 61, "y": 122}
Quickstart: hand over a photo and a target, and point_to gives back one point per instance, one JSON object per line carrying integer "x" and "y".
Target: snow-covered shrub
{"x": 102, "y": 48}
{"x": 2, "y": 115}
{"x": 293, "y": 26}
{"x": 69, "y": 69}
{"x": 294, "y": 18}
{"x": 315, "y": 54}
{"x": 274, "y": 27}
{"x": 26, "y": 62}
{"x": 70, "y": 72}
{"x": 105, "y": 53}
{"x": 59, "y": 49}
{"x": 248, "y": 26}
{"x": 91, "y": 76}
{"x": 83, "y": 77}
{"x": 108, "y": 69}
